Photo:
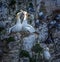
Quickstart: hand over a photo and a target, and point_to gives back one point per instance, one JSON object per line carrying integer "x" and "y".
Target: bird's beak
{"x": 22, "y": 11}
{"x": 19, "y": 13}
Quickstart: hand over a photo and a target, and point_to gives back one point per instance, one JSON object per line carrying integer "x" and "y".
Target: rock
{"x": 28, "y": 42}
{"x": 14, "y": 45}
{"x": 25, "y": 59}
{"x": 2, "y": 24}
{"x": 56, "y": 34}
{"x": 14, "y": 51}
{"x": 43, "y": 32}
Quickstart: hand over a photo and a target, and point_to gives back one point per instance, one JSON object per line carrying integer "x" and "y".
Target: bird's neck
{"x": 25, "y": 19}
{"x": 18, "y": 20}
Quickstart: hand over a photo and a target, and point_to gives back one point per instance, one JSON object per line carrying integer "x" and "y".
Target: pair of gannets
{"x": 21, "y": 26}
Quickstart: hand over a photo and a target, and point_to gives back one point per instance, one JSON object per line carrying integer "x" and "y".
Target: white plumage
{"x": 41, "y": 13}
{"x": 46, "y": 54}
{"x": 18, "y": 26}
{"x": 26, "y": 26}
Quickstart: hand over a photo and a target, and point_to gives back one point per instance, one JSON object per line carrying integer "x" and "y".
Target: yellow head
{"x": 25, "y": 13}
{"x": 18, "y": 14}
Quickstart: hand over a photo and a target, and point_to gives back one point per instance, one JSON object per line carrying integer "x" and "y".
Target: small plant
{"x": 24, "y": 53}
{"x": 10, "y": 39}
{"x": 37, "y": 48}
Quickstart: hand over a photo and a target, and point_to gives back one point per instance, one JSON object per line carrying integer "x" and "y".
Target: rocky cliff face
{"x": 8, "y": 9}
{"x": 10, "y": 45}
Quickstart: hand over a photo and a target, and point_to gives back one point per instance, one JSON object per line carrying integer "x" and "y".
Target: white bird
{"x": 18, "y": 26}
{"x": 41, "y": 13}
{"x": 46, "y": 54}
{"x": 26, "y": 26}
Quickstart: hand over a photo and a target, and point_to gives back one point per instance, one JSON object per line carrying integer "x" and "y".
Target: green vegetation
{"x": 38, "y": 51}
{"x": 37, "y": 48}
{"x": 24, "y": 53}
{"x": 10, "y": 39}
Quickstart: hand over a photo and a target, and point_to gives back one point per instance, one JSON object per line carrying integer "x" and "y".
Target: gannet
{"x": 46, "y": 54}
{"x": 18, "y": 26}
{"x": 26, "y": 26}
